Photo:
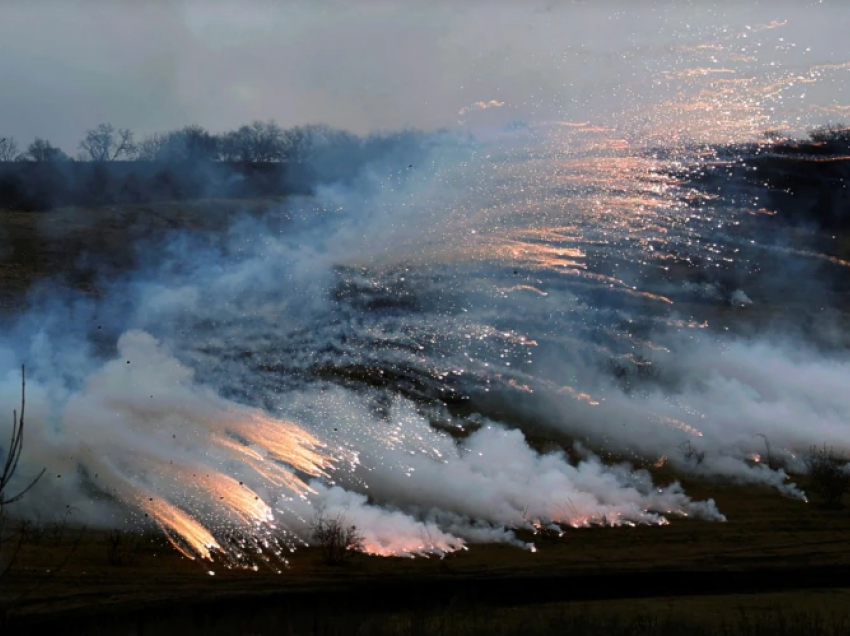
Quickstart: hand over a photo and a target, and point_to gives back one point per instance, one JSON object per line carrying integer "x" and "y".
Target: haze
{"x": 68, "y": 66}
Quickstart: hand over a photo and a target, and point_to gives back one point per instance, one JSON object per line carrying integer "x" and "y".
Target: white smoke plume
{"x": 301, "y": 361}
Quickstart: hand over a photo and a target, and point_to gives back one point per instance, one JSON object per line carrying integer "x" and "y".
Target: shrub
{"x": 10, "y": 457}
{"x": 335, "y": 537}
{"x": 837, "y": 132}
{"x": 829, "y": 475}
{"x": 691, "y": 453}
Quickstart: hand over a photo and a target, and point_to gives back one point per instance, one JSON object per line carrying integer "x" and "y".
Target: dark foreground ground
{"x": 778, "y": 566}
{"x": 776, "y": 562}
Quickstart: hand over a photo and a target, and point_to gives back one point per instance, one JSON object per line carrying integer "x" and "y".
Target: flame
{"x": 480, "y": 106}
{"x": 184, "y": 532}
{"x": 679, "y": 424}
{"x": 271, "y": 449}
{"x": 531, "y": 288}
{"x": 286, "y": 442}
{"x": 233, "y": 495}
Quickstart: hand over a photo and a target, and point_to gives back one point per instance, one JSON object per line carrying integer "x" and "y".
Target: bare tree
{"x": 42, "y": 150}
{"x": 153, "y": 147}
{"x": 691, "y": 453}
{"x": 189, "y": 144}
{"x": 829, "y": 475}
{"x": 336, "y": 538}
{"x": 837, "y": 132}
{"x": 106, "y": 143}
{"x": 257, "y": 142}
{"x": 8, "y": 149}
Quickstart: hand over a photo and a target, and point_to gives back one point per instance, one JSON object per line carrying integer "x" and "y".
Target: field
{"x": 778, "y": 565}
{"x": 775, "y": 558}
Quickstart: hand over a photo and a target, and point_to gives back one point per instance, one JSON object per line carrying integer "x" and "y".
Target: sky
{"x": 372, "y": 64}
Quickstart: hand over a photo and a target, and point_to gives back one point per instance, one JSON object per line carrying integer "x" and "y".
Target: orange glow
{"x": 286, "y": 442}
{"x": 238, "y": 498}
{"x": 531, "y": 288}
{"x": 679, "y": 424}
{"x": 184, "y": 532}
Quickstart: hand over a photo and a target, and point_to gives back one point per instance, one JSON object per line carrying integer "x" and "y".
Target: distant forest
{"x": 262, "y": 159}
{"x": 255, "y": 160}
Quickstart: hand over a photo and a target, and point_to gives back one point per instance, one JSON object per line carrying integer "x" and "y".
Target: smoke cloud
{"x": 389, "y": 346}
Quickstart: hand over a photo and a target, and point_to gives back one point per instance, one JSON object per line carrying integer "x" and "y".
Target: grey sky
{"x": 159, "y": 64}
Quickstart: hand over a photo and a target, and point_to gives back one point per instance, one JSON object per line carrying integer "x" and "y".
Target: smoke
{"x": 291, "y": 314}
{"x": 389, "y": 347}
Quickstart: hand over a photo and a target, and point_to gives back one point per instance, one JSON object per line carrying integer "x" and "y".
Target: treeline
{"x": 258, "y": 159}
{"x": 828, "y": 139}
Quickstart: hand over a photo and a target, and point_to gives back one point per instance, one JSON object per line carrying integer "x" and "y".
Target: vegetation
{"x": 260, "y": 159}
{"x": 106, "y": 143}
{"x": 803, "y": 180}
{"x": 335, "y": 537}
{"x": 12, "y": 538}
{"x": 829, "y": 474}
{"x": 831, "y": 133}
{"x": 8, "y": 149}
{"x": 257, "y": 142}
{"x": 482, "y": 621}
{"x": 10, "y": 457}
{"x": 691, "y": 453}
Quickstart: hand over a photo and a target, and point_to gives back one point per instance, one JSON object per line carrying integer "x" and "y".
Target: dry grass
{"x": 691, "y": 567}
{"x": 82, "y": 244}
{"x": 769, "y": 543}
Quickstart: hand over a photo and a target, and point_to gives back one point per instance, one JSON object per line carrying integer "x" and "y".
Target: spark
{"x": 184, "y": 532}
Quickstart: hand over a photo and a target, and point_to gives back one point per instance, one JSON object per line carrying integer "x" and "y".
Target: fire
{"x": 286, "y": 442}
{"x": 266, "y": 444}
{"x": 246, "y": 505}
{"x": 184, "y": 532}
{"x": 679, "y": 424}
{"x": 531, "y": 288}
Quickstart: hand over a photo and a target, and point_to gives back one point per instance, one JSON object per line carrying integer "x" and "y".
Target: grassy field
{"x": 777, "y": 566}
{"x": 775, "y": 556}
{"x": 80, "y": 244}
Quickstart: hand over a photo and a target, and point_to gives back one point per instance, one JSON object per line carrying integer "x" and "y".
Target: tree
{"x": 831, "y": 133}
{"x": 8, "y": 149}
{"x": 335, "y": 537}
{"x": 42, "y": 150}
{"x": 257, "y": 142}
{"x": 153, "y": 147}
{"x": 106, "y": 143}
{"x": 189, "y": 144}
{"x": 829, "y": 473}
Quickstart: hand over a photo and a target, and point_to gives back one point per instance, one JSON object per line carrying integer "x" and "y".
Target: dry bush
{"x": 834, "y": 132}
{"x": 335, "y": 537}
{"x": 10, "y": 541}
{"x": 691, "y": 453}
{"x": 829, "y": 474}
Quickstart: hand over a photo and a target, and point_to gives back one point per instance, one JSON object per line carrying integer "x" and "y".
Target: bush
{"x": 829, "y": 475}
{"x": 335, "y": 537}
{"x": 691, "y": 453}
{"x": 831, "y": 133}
{"x": 10, "y": 457}
{"x": 10, "y": 542}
